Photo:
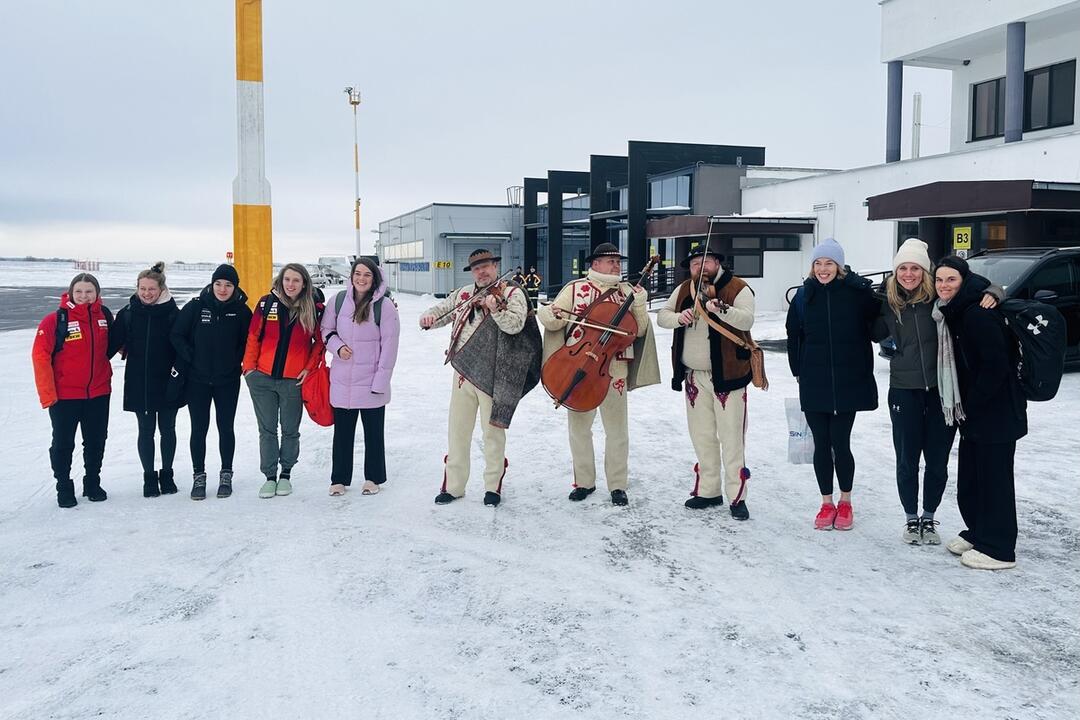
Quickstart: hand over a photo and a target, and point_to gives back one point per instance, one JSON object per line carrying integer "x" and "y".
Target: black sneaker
{"x": 739, "y": 511}
{"x": 166, "y": 482}
{"x": 150, "y": 485}
{"x": 618, "y": 497}
{"x": 198, "y": 487}
{"x": 65, "y": 494}
{"x": 580, "y": 493}
{"x": 492, "y": 498}
{"x": 927, "y": 532}
{"x": 700, "y": 503}
{"x": 224, "y": 488}
{"x": 444, "y": 498}
{"x": 92, "y": 490}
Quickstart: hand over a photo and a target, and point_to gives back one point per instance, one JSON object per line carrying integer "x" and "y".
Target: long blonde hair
{"x": 898, "y": 296}
{"x": 303, "y": 307}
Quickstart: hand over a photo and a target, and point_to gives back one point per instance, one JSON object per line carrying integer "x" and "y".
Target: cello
{"x": 578, "y": 376}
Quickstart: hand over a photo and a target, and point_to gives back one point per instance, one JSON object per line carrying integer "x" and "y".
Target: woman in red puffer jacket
{"x": 74, "y": 381}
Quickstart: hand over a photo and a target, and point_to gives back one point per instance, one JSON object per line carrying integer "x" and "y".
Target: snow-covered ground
{"x": 391, "y": 607}
{"x": 109, "y": 274}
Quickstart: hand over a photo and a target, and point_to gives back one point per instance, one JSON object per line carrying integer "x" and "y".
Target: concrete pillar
{"x": 893, "y": 109}
{"x": 1015, "y": 44}
{"x": 252, "y": 243}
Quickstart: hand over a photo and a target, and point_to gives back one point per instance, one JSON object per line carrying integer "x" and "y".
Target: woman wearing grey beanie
{"x": 829, "y": 351}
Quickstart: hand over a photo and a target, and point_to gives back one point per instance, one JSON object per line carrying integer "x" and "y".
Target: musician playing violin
{"x": 486, "y": 300}
{"x": 713, "y": 372}
{"x": 634, "y": 367}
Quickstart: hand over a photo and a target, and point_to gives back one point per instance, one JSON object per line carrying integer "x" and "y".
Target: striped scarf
{"x": 948, "y": 383}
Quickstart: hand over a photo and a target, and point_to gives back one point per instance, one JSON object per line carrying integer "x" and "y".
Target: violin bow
{"x": 701, "y": 273}
{"x": 472, "y": 299}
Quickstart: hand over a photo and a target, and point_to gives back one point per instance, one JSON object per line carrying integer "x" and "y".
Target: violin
{"x": 495, "y": 290}
{"x": 578, "y": 376}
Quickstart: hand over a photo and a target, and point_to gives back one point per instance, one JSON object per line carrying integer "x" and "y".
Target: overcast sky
{"x": 118, "y": 118}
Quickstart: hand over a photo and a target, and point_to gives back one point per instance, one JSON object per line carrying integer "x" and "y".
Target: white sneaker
{"x": 979, "y": 561}
{"x": 912, "y": 534}
{"x": 959, "y": 546}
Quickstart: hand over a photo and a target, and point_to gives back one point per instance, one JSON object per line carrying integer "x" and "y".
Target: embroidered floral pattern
{"x": 722, "y": 397}
{"x": 460, "y": 380}
{"x": 691, "y": 389}
{"x": 465, "y": 295}
{"x": 619, "y": 385}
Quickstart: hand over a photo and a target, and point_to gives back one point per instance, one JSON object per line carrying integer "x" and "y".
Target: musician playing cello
{"x": 495, "y": 352}
{"x": 635, "y": 367}
{"x": 715, "y": 372}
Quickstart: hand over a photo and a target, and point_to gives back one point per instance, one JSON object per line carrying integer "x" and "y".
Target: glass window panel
{"x": 1053, "y": 277}
{"x": 1062, "y": 93}
{"x": 999, "y": 124}
{"x": 984, "y": 110}
{"x": 656, "y": 196}
{"x": 1037, "y": 99}
{"x": 790, "y": 242}
{"x": 746, "y": 243}
{"x": 746, "y": 265}
{"x": 683, "y": 191}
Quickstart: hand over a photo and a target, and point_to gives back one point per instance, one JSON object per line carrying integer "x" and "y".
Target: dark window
{"x": 1055, "y": 278}
{"x": 1049, "y": 94}
{"x": 745, "y": 243}
{"x": 787, "y": 242}
{"x": 988, "y": 109}
{"x": 747, "y": 265}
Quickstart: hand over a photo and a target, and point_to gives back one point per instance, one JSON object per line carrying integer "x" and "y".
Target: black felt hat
{"x": 480, "y": 256}
{"x": 604, "y": 250}
{"x": 698, "y": 252}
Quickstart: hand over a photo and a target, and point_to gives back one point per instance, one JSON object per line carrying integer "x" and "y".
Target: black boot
{"x": 444, "y": 498}
{"x": 739, "y": 511}
{"x": 65, "y": 494}
{"x": 580, "y": 493}
{"x": 224, "y": 488}
{"x": 492, "y": 498}
{"x": 92, "y": 490}
{"x": 165, "y": 482}
{"x": 700, "y": 503}
{"x": 618, "y": 497}
{"x": 198, "y": 486}
{"x": 150, "y": 485}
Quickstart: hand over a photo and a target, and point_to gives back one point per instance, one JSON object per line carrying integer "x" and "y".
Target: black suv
{"x": 1049, "y": 275}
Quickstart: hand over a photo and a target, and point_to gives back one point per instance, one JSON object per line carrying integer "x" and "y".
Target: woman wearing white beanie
{"x": 922, "y": 425}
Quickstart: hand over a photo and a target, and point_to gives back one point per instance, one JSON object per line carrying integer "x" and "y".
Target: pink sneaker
{"x": 825, "y": 517}
{"x": 845, "y": 516}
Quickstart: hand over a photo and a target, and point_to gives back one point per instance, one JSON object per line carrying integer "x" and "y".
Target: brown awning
{"x": 694, "y": 225}
{"x": 972, "y": 197}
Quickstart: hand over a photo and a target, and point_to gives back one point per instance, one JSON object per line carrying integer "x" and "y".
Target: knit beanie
{"x": 912, "y": 251}
{"x": 830, "y": 250}
{"x": 226, "y": 272}
{"x": 957, "y": 263}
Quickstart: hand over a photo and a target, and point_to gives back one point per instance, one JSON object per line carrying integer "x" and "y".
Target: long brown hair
{"x": 303, "y": 307}
{"x": 899, "y": 296}
{"x": 363, "y": 304}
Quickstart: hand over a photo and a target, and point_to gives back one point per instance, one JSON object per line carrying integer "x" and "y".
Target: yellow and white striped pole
{"x": 354, "y": 100}
{"x": 252, "y": 243}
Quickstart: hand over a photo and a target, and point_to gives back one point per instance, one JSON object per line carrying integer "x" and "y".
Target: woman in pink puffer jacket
{"x": 361, "y": 328}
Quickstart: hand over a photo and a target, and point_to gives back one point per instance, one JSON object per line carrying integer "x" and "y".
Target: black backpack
{"x": 1039, "y": 330}
{"x": 62, "y": 326}
{"x": 376, "y": 309}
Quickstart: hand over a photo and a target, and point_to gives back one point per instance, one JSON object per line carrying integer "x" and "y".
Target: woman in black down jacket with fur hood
{"x": 829, "y": 352}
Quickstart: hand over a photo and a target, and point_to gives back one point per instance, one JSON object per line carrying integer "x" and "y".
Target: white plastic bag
{"x": 800, "y": 449}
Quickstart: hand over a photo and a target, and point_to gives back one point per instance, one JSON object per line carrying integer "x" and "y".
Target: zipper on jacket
{"x": 918, "y": 339}
{"x": 146, "y": 367}
{"x": 832, "y": 350}
{"x": 90, "y": 331}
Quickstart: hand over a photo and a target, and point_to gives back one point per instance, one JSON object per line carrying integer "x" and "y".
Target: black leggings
{"x": 374, "y": 449}
{"x": 832, "y": 449}
{"x": 224, "y": 397}
{"x": 165, "y": 422}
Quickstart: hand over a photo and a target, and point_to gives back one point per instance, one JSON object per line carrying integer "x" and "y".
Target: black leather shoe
{"x": 739, "y": 511}
{"x": 700, "y": 503}
{"x": 580, "y": 493}
{"x": 166, "y": 482}
{"x": 492, "y": 498}
{"x": 444, "y": 498}
{"x": 618, "y": 497}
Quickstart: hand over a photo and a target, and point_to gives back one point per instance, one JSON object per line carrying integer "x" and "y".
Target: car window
{"x": 1056, "y": 277}
{"x": 999, "y": 270}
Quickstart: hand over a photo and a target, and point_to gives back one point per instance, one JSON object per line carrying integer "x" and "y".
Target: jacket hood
{"x": 137, "y": 305}
{"x": 970, "y": 292}
{"x": 66, "y": 302}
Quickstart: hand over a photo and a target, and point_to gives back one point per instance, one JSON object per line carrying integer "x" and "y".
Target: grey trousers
{"x": 274, "y": 399}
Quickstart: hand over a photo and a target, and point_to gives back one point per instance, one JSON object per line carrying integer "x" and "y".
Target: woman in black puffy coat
{"x": 141, "y": 333}
{"x": 829, "y": 334}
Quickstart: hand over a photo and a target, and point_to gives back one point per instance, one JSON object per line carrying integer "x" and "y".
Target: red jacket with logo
{"x": 81, "y": 370}
{"x": 277, "y": 344}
